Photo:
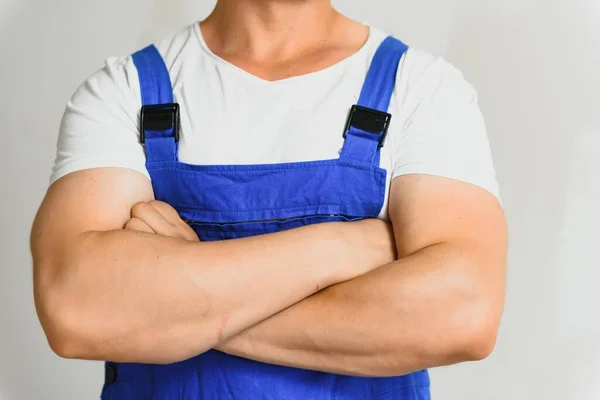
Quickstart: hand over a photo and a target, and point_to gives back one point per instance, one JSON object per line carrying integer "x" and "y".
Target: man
{"x": 231, "y": 242}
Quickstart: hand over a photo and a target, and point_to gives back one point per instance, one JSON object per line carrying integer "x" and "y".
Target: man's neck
{"x": 270, "y": 29}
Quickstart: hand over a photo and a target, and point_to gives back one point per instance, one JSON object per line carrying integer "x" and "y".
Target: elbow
{"x": 75, "y": 330}
{"x": 476, "y": 317}
{"x": 64, "y": 336}
{"x": 480, "y": 344}
{"x": 469, "y": 330}
{"x": 57, "y": 312}
{"x": 479, "y": 335}
{"x": 73, "y": 320}
{"x": 63, "y": 339}
{"x": 64, "y": 346}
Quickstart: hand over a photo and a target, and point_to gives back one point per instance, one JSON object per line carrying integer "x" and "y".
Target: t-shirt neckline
{"x": 320, "y": 73}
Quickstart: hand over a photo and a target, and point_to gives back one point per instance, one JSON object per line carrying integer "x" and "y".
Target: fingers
{"x": 163, "y": 220}
{"x": 135, "y": 224}
{"x": 166, "y": 210}
{"x": 184, "y": 231}
{"x": 152, "y": 217}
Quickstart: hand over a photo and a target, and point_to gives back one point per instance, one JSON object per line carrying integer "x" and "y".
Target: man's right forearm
{"x": 136, "y": 297}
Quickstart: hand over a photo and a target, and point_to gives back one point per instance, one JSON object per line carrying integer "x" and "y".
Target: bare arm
{"x": 103, "y": 292}
{"x": 439, "y": 304}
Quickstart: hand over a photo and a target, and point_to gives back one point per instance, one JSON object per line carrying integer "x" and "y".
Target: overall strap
{"x": 369, "y": 119}
{"x": 159, "y": 118}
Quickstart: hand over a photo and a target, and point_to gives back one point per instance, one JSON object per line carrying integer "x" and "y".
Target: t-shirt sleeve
{"x": 443, "y": 130}
{"x": 99, "y": 127}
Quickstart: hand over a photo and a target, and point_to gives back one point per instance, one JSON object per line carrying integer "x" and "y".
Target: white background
{"x": 536, "y": 64}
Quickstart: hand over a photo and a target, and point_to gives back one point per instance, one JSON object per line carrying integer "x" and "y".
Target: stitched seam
{"x": 419, "y": 385}
{"x": 264, "y": 209}
{"x": 159, "y": 166}
{"x": 150, "y": 167}
{"x": 248, "y": 169}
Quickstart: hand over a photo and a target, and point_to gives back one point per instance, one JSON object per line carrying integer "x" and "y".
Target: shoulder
{"x": 119, "y": 75}
{"x": 439, "y": 127}
{"x": 421, "y": 73}
{"x": 100, "y": 124}
{"x": 423, "y": 76}
{"x": 116, "y": 83}
{"x": 180, "y": 45}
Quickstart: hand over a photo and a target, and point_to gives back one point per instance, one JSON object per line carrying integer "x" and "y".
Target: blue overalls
{"x": 231, "y": 201}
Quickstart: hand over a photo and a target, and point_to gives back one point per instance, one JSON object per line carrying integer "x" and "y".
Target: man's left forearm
{"x": 435, "y": 307}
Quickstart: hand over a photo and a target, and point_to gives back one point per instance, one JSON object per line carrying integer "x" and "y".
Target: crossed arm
{"x": 440, "y": 303}
{"x": 133, "y": 285}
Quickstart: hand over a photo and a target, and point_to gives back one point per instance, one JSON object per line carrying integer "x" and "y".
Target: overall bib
{"x": 230, "y": 201}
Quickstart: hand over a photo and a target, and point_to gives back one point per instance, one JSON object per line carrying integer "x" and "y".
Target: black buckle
{"x": 159, "y": 117}
{"x": 369, "y": 120}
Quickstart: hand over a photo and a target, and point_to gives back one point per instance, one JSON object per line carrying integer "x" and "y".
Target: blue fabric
{"x": 378, "y": 87}
{"x": 155, "y": 81}
{"x": 376, "y": 93}
{"x": 156, "y": 88}
{"x": 222, "y": 202}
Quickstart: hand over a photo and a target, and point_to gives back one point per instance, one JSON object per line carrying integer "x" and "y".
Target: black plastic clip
{"x": 369, "y": 120}
{"x": 159, "y": 117}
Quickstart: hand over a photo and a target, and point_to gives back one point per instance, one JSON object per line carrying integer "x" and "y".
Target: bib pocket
{"x": 208, "y": 231}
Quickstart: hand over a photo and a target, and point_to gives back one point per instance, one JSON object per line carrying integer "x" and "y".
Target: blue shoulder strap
{"x": 159, "y": 118}
{"x": 369, "y": 120}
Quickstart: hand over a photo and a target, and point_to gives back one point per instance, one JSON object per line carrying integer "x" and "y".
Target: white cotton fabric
{"x": 232, "y": 117}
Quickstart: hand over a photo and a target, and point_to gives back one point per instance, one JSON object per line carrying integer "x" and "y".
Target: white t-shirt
{"x": 232, "y": 117}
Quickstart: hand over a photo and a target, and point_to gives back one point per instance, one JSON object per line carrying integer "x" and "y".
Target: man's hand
{"x": 160, "y": 218}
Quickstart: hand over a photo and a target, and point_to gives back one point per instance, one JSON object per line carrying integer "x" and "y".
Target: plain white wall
{"x": 536, "y": 64}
